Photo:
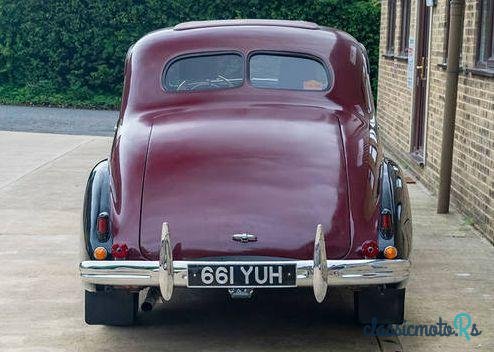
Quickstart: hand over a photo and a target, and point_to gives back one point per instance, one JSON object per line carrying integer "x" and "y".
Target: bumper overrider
{"x": 318, "y": 273}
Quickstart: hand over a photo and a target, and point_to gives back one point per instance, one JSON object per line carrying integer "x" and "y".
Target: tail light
{"x": 100, "y": 253}
{"x": 390, "y": 252}
{"x": 119, "y": 251}
{"x": 386, "y": 224}
{"x": 369, "y": 249}
{"x": 103, "y": 226}
{"x": 386, "y": 221}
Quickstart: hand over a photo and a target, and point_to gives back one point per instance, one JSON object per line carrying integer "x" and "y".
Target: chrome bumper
{"x": 340, "y": 272}
{"x": 318, "y": 273}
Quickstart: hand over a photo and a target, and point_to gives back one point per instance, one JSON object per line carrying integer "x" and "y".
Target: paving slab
{"x": 41, "y": 297}
{"x": 20, "y": 154}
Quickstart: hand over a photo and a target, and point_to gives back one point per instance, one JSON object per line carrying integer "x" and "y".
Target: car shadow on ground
{"x": 272, "y": 320}
{"x": 271, "y": 306}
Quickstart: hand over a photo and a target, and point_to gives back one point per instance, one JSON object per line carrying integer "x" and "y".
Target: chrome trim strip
{"x": 352, "y": 272}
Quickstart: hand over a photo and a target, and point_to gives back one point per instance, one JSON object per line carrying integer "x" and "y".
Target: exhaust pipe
{"x": 151, "y": 298}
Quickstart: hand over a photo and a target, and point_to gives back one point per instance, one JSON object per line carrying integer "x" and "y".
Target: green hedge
{"x": 71, "y": 52}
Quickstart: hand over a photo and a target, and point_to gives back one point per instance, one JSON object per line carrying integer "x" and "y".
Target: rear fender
{"x": 96, "y": 201}
{"x": 394, "y": 198}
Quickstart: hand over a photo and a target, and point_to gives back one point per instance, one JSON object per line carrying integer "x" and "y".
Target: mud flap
{"x": 115, "y": 307}
{"x": 385, "y": 306}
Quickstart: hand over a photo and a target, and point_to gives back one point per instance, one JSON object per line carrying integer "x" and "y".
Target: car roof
{"x": 246, "y": 22}
{"x": 147, "y": 59}
{"x": 247, "y": 35}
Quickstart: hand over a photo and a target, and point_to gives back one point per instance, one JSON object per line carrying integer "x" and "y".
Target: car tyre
{"x": 111, "y": 307}
{"x": 379, "y": 305}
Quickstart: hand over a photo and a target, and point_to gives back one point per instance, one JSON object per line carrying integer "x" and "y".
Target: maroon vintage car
{"x": 246, "y": 157}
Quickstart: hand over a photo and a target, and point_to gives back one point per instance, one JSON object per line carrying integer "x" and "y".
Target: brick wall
{"x": 473, "y": 158}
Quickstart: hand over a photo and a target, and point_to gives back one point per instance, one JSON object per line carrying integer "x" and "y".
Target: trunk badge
{"x": 244, "y": 237}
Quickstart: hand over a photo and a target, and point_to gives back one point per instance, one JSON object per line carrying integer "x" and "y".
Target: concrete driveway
{"x": 42, "y": 180}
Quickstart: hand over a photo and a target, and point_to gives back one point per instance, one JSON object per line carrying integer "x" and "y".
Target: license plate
{"x": 241, "y": 275}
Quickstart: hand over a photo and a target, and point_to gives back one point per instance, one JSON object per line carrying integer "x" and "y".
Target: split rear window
{"x": 226, "y": 70}
{"x": 205, "y": 72}
{"x": 287, "y": 72}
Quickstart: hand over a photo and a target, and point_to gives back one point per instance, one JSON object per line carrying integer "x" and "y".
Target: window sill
{"x": 401, "y": 57}
{"x": 395, "y": 57}
{"x": 485, "y": 72}
{"x": 444, "y": 66}
{"x": 418, "y": 157}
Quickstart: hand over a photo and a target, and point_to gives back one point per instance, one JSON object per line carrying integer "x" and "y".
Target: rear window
{"x": 287, "y": 72}
{"x": 205, "y": 72}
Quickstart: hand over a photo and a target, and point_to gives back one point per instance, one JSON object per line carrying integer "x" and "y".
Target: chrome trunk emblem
{"x": 244, "y": 237}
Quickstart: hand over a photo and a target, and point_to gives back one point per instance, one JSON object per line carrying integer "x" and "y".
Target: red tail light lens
{"x": 103, "y": 226}
{"x": 369, "y": 249}
{"x": 119, "y": 251}
{"x": 386, "y": 221}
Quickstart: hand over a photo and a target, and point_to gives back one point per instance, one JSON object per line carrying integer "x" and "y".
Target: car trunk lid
{"x": 215, "y": 175}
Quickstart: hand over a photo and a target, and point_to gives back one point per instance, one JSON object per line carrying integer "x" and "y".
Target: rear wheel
{"x": 382, "y": 305}
{"x": 111, "y": 307}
